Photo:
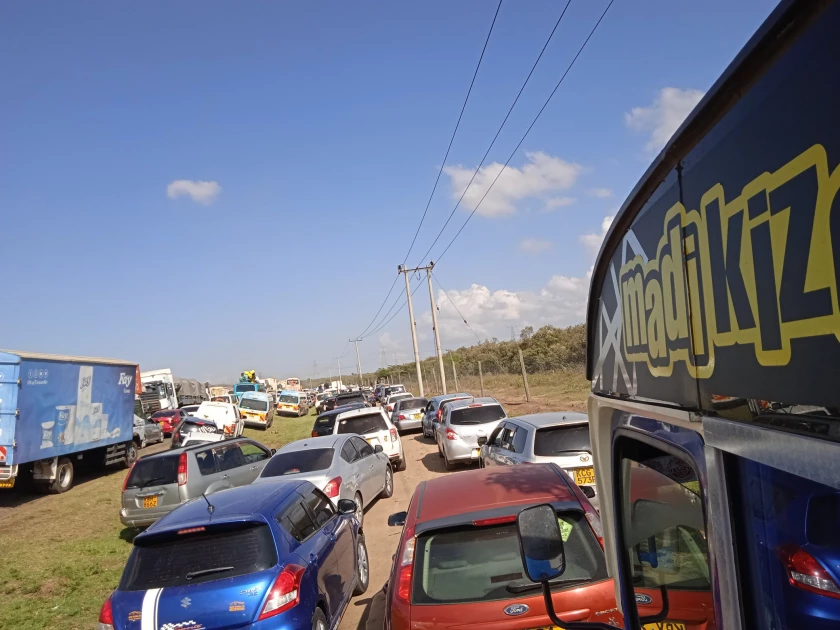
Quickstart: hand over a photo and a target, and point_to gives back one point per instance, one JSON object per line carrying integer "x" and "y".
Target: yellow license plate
{"x": 585, "y": 476}
{"x": 10, "y": 483}
{"x": 665, "y": 625}
{"x": 150, "y": 502}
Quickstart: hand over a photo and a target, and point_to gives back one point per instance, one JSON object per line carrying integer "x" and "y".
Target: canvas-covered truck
{"x": 58, "y": 412}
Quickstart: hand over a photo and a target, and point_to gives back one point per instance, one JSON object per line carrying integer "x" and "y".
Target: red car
{"x": 458, "y": 561}
{"x": 168, "y": 418}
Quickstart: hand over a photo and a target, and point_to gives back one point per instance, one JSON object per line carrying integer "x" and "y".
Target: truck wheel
{"x": 130, "y": 454}
{"x": 63, "y": 477}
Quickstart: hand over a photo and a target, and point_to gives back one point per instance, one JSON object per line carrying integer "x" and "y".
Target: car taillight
{"x": 393, "y": 435}
{"x": 401, "y": 417}
{"x": 284, "y": 593}
{"x": 390, "y": 407}
{"x": 406, "y": 570}
{"x": 106, "y": 616}
{"x": 314, "y": 434}
{"x": 130, "y": 470}
{"x": 594, "y": 522}
{"x": 806, "y": 573}
{"x": 484, "y": 522}
{"x": 451, "y": 435}
{"x": 182, "y": 469}
{"x": 437, "y": 415}
{"x": 333, "y": 487}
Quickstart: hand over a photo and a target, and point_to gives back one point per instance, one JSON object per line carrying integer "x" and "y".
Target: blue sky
{"x": 318, "y": 130}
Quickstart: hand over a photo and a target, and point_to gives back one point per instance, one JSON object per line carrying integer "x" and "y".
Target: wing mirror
{"x": 378, "y": 448}
{"x": 273, "y": 451}
{"x": 482, "y": 441}
{"x": 397, "y": 520}
{"x": 346, "y": 506}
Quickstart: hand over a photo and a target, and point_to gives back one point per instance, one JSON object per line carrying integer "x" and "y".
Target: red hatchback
{"x": 458, "y": 562}
{"x": 168, "y": 418}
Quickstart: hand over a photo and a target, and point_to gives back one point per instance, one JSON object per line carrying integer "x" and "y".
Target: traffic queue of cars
{"x": 241, "y": 535}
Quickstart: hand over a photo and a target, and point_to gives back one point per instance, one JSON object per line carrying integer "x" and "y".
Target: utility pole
{"x": 339, "y": 373}
{"x": 435, "y": 326}
{"x": 405, "y": 272}
{"x": 358, "y": 360}
{"x": 512, "y": 334}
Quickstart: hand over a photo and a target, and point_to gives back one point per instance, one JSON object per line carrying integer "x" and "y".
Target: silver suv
{"x": 159, "y": 483}
{"x": 463, "y": 423}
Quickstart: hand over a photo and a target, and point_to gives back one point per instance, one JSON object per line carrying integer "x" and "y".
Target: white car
{"x": 225, "y": 416}
{"x": 392, "y": 398}
{"x": 374, "y": 425}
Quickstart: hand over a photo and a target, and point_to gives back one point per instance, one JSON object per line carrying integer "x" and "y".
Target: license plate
{"x": 9, "y": 483}
{"x": 415, "y": 416}
{"x": 665, "y": 625}
{"x": 150, "y": 502}
{"x": 585, "y": 476}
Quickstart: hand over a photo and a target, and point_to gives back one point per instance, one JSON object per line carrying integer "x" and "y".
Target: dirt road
{"x": 423, "y": 462}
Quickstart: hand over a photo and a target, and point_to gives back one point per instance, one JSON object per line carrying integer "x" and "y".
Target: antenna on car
{"x": 210, "y": 507}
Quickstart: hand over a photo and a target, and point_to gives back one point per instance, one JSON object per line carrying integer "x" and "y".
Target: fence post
{"x": 524, "y": 376}
{"x": 481, "y": 379}
{"x": 434, "y": 376}
{"x": 455, "y": 375}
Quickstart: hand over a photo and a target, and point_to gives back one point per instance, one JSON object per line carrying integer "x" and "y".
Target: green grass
{"x": 62, "y": 554}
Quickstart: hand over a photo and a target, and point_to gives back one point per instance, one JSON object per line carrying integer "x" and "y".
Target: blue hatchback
{"x": 262, "y": 556}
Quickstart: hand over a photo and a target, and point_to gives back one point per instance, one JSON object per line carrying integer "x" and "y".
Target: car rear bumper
{"x": 408, "y": 425}
{"x": 138, "y": 517}
{"x": 255, "y": 421}
{"x": 459, "y": 451}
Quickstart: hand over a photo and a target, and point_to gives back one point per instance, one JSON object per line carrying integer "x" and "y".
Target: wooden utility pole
{"x": 434, "y": 376}
{"x": 435, "y": 326}
{"x": 405, "y": 272}
{"x": 454, "y": 374}
{"x": 481, "y": 378}
{"x": 524, "y": 376}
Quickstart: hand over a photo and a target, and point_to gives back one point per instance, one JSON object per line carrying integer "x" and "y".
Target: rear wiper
{"x": 572, "y": 450}
{"x": 151, "y": 481}
{"x": 195, "y": 574}
{"x": 524, "y": 588}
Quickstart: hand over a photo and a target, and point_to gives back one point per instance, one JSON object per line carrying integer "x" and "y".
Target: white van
{"x": 225, "y": 416}
{"x": 375, "y": 426}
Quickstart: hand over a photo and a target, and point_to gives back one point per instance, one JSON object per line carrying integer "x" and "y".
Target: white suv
{"x": 374, "y": 425}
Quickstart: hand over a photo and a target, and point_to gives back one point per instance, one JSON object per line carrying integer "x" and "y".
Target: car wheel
{"x": 449, "y": 465}
{"x": 63, "y": 476}
{"x": 388, "y": 492}
{"x": 360, "y": 508}
{"x": 401, "y": 465}
{"x": 319, "y": 620}
{"x": 362, "y": 567}
{"x": 130, "y": 454}
{"x": 440, "y": 452}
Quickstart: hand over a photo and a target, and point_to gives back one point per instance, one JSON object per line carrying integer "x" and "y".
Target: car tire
{"x": 64, "y": 475}
{"x": 360, "y": 508}
{"x": 319, "y": 620}
{"x": 447, "y": 464}
{"x": 388, "y": 491}
{"x": 440, "y": 451}
{"x": 401, "y": 465}
{"x": 130, "y": 454}
{"x": 362, "y": 567}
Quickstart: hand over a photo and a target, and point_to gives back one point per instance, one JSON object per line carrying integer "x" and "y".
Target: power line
{"x": 531, "y": 126}
{"x": 454, "y": 131}
{"x": 499, "y": 130}
{"x": 456, "y": 308}
{"x": 393, "y": 284}
{"x": 397, "y": 312}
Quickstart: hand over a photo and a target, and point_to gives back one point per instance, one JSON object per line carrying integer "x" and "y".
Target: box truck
{"x": 58, "y": 412}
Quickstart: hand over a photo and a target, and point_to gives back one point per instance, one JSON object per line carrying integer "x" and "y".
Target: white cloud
{"x": 543, "y": 174}
{"x": 552, "y": 203}
{"x": 199, "y": 191}
{"x": 601, "y": 193}
{"x": 534, "y": 245}
{"x": 664, "y": 116}
{"x": 592, "y": 242}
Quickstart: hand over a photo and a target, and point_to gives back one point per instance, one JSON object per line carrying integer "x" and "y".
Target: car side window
{"x": 496, "y": 436}
{"x": 229, "y": 457}
{"x": 320, "y": 507}
{"x": 363, "y": 447}
{"x": 254, "y": 453}
{"x": 206, "y": 462}
{"x": 519, "y": 437}
{"x": 348, "y": 452}
{"x": 296, "y": 520}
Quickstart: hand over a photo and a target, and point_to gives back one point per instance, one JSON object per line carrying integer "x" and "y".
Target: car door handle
{"x": 254, "y": 467}
{"x": 225, "y": 476}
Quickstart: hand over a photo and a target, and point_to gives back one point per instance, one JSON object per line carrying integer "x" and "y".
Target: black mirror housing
{"x": 397, "y": 520}
{"x": 540, "y": 543}
{"x": 273, "y": 451}
{"x": 346, "y": 506}
{"x": 378, "y": 448}
{"x": 482, "y": 441}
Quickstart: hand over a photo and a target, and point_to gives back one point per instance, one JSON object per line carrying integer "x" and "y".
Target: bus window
{"x": 789, "y": 539}
{"x": 663, "y": 534}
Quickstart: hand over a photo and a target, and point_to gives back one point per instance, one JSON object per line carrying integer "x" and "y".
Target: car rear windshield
{"x": 165, "y": 414}
{"x": 479, "y": 564}
{"x": 252, "y": 403}
{"x": 220, "y": 553}
{"x": 153, "y": 471}
{"x": 288, "y": 398}
{"x": 246, "y": 388}
{"x": 368, "y": 423}
{"x": 558, "y": 440}
{"x": 295, "y": 462}
{"x": 345, "y": 399}
{"x": 476, "y": 415}
{"x": 413, "y": 403}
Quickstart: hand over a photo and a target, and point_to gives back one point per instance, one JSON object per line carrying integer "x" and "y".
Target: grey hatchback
{"x": 157, "y": 484}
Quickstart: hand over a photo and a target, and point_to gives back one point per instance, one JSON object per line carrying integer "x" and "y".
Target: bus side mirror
{"x": 540, "y": 543}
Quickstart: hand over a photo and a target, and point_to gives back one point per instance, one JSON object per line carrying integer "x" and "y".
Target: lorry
{"x": 58, "y": 412}
{"x": 172, "y": 392}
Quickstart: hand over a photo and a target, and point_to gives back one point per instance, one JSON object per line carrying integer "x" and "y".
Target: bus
{"x": 292, "y": 384}
{"x": 713, "y": 343}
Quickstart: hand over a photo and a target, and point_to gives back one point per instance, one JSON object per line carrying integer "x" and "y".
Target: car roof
{"x": 553, "y": 418}
{"x": 194, "y": 447}
{"x": 460, "y": 404}
{"x": 442, "y": 397}
{"x": 291, "y": 391}
{"x": 352, "y": 413}
{"x": 306, "y": 444}
{"x": 256, "y": 395}
{"x": 488, "y": 488}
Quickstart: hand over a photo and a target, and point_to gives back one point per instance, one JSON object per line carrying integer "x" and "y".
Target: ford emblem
{"x": 641, "y": 598}
{"x": 514, "y": 610}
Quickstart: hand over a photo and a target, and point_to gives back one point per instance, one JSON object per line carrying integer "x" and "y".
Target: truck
{"x": 58, "y": 412}
{"x": 172, "y": 392}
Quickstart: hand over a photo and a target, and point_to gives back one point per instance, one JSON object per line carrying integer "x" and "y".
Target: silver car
{"x": 408, "y": 413}
{"x": 433, "y": 413}
{"x": 560, "y": 437}
{"x": 159, "y": 483}
{"x": 343, "y": 466}
{"x": 464, "y": 422}
{"x": 147, "y": 431}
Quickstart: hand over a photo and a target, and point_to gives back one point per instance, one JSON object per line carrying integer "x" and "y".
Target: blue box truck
{"x": 58, "y": 412}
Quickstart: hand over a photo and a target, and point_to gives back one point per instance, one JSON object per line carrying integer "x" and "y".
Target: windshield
{"x": 164, "y": 414}
{"x": 153, "y": 471}
{"x": 368, "y": 423}
{"x": 247, "y": 387}
{"x": 289, "y": 398}
{"x": 252, "y": 403}
{"x": 476, "y": 415}
{"x": 475, "y": 564}
{"x": 556, "y": 440}
{"x": 295, "y": 462}
{"x": 413, "y": 403}
{"x": 180, "y": 560}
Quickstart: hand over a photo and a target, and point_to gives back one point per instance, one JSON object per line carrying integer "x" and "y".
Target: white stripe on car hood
{"x": 148, "y": 613}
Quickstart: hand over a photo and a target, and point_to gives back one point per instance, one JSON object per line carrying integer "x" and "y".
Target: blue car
{"x": 255, "y": 557}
